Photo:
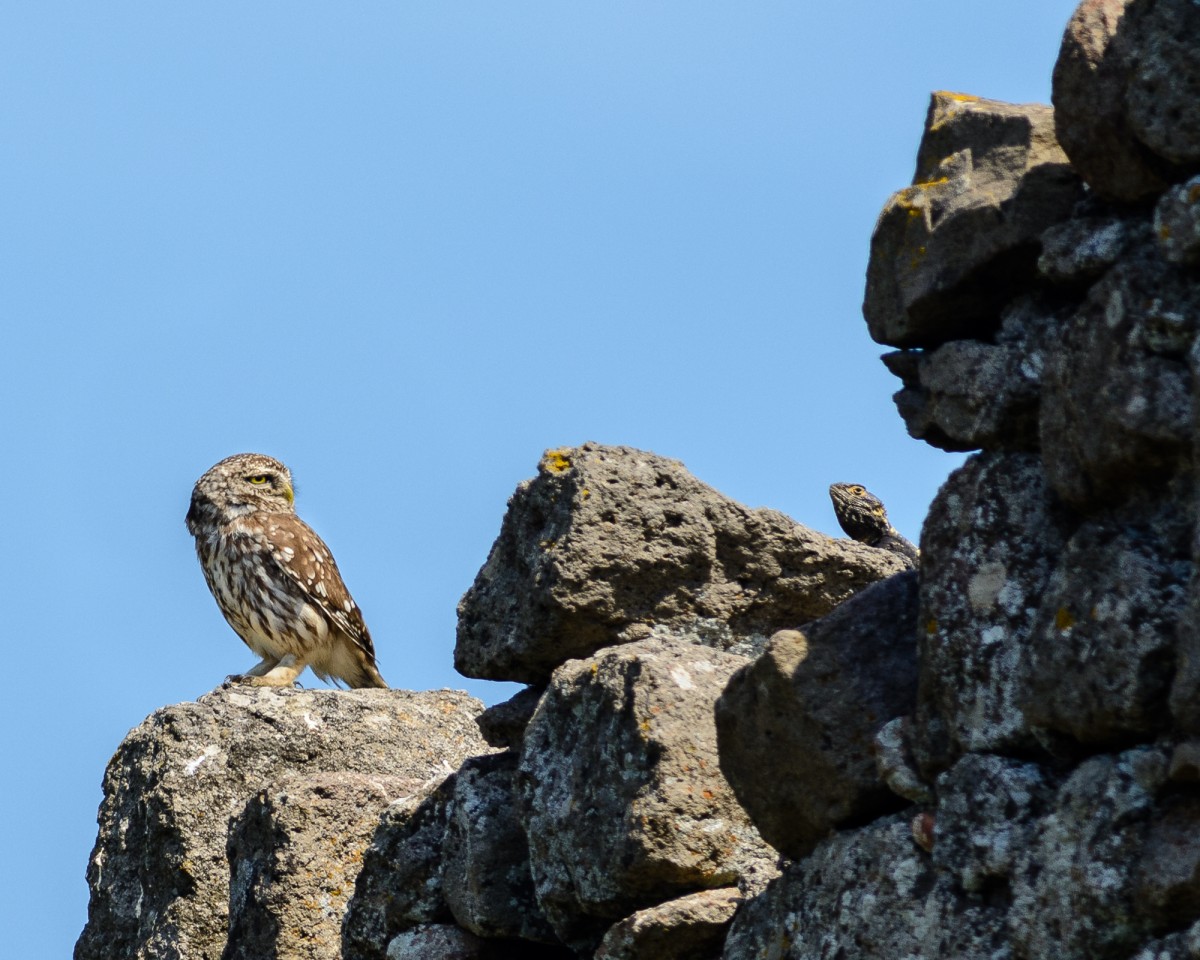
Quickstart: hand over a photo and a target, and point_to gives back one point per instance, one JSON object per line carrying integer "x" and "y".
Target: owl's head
{"x": 238, "y": 485}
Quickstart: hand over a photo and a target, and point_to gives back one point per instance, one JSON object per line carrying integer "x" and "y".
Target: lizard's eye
{"x": 857, "y": 490}
{"x": 258, "y": 480}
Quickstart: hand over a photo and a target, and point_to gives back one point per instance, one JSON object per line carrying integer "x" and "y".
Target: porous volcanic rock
{"x": 294, "y": 855}
{"x": 950, "y": 250}
{"x": 622, "y": 795}
{"x": 159, "y": 876}
{"x": 608, "y": 542}
{"x": 796, "y": 728}
{"x": 690, "y": 928}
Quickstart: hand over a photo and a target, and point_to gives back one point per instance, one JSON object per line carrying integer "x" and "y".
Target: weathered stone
{"x": 1091, "y": 76}
{"x": 990, "y": 541}
{"x": 1167, "y": 877}
{"x": 1127, "y": 94}
{"x": 503, "y": 725}
{"x": 870, "y": 894}
{"x": 808, "y": 711}
{"x": 400, "y": 884}
{"x": 1176, "y": 946}
{"x": 607, "y": 541}
{"x": 485, "y": 860}
{"x": 437, "y": 941}
{"x": 1074, "y": 892}
{"x": 690, "y": 928}
{"x": 952, "y": 249}
{"x": 968, "y": 394}
{"x": 1082, "y": 249}
{"x": 1177, "y": 223}
{"x": 896, "y": 764}
{"x": 159, "y": 876}
{"x": 1163, "y": 97}
{"x": 1116, "y": 411}
{"x": 294, "y": 854}
{"x": 986, "y": 818}
{"x": 623, "y": 799}
{"x": 1102, "y": 649}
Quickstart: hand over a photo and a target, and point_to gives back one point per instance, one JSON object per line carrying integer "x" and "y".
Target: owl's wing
{"x": 303, "y": 556}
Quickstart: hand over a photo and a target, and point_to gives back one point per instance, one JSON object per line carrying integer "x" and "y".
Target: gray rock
{"x": 952, "y": 249}
{"x": 987, "y": 818}
{"x": 896, "y": 764}
{"x": 1177, "y": 223}
{"x": 1082, "y": 249}
{"x": 159, "y": 877}
{"x": 623, "y": 799}
{"x": 991, "y": 539}
{"x": 503, "y": 725}
{"x": 400, "y": 884}
{"x": 1116, "y": 410}
{"x": 796, "y": 727}
{"x": 1091, "y": 76}
{"x": 870, "y": 894}
{"x": 608, "y": 541}
{"x": 690, "y": 928}
{"x": 437, "y": 942}
{"x": 1075, "y": 891}
{"x": 486, "y": 879}
{"x": 294, "y": 855}
{"x": 1126, "y": 94}
{"x": 1102, "y": 650}
{"x": 968, "y": 394}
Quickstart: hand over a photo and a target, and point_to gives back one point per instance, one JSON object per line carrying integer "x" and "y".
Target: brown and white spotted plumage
{"x": 274, "y": 579}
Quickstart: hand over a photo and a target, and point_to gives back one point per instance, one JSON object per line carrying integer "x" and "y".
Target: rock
{"x": 400, "y": 884}
{"x": 992, "y": 537}
{"x": 952, "y": 249}
{"x": 622, "y": 796}
{"x": 437, "y": 942}
{"x": 1116, "y": 411}
{"x": 159, "y": 877}
{"x": 1102, "y": 650}
{"x": 1082, "y": 249}
{"x": 987, "y": 817}
{"x": 796, "y": 727}
{"x": 503, "y": 725}
{"x": 1090, "y": 78}
{"x": 1177, "y": 223}
{"x": 1126, "y": 94}
{"x": 968, "y": 394}
{"x": 1074, "y": 892}
{"x": 690, "y": 928}
{"x": 870, "y": 894}
{"x": 608, "y": 541}
{"x": 294, "y": 854}
{"x": 1167, "y": 876}
{"x": 486, "y": 878}
{"x": 896, "y": 764}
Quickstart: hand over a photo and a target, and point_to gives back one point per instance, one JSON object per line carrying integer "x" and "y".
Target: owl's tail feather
{"x": 368, "y": 676}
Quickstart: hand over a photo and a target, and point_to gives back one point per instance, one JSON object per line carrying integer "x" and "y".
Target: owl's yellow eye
{"x": 260, "y": 479}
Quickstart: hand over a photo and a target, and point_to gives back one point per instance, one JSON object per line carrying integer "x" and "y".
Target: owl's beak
{"x": 287, "y": 492}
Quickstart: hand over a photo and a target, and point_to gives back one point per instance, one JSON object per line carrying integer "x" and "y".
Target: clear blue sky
{"x": 404, "y": 247}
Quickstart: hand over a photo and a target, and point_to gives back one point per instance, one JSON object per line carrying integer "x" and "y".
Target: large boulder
{"x": 623, "y": 799}
{"x": 797, "y": 727}
{"x": 608, "y": 542}
{"x": 958, "y": 244}
{"x": 159, "y": 877}
{"x": 1127, "y": 95}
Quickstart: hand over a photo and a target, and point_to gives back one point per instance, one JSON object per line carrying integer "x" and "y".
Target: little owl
{"x": 274, "y": 579}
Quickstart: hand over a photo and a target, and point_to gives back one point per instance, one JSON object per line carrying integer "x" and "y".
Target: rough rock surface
{"x": 990, "y": 178}
{"x": 869, "y": 894}
{"x": 796, "y": 728}
{"x": 987, "y": 550}
{"x": 607, "y": 542}
{"x": 159, "y": 875}
{"x": 690, "y": 928}
{"x": 1127, "y": 95}
{"x": 623, "y": 799}
{"x": 294, "y": 855}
